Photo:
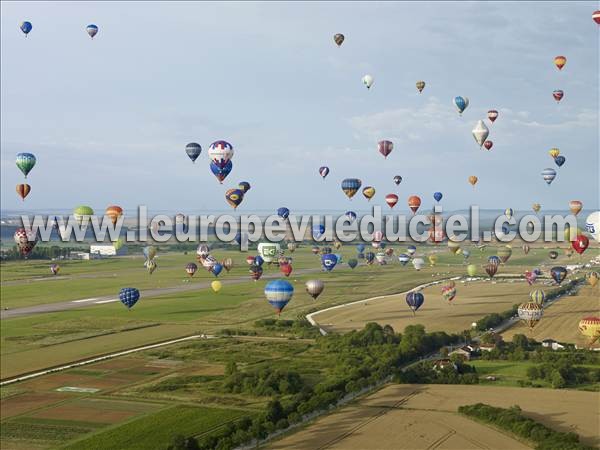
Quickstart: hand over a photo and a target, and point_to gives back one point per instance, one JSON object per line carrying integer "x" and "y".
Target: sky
{"x": 109, "y": 118}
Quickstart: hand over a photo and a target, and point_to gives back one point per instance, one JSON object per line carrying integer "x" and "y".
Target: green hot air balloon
{"x": 25, "y": 162}
{"x": 82, "y": 213}
{"x": 472, "y": 270}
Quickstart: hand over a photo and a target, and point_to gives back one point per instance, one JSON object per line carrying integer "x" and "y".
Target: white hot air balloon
{"x": 480, "y": 132}
{"x": 548, "y": 175}
{"x": 368, "y": 81}
{"x": 592, "y": 225}
{"x": 418, "y": 263}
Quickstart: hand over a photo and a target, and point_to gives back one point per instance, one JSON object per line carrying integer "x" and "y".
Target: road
{"x": 86, "y": 302}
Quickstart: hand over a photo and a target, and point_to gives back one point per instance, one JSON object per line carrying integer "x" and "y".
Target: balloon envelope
{"x": 278, "y": 294}
{"x": 129, "y": 296}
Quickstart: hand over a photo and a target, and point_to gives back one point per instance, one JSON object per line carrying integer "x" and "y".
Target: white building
{"x": 100, "y": 250}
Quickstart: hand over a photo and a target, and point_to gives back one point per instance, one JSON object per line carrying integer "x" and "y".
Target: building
{"x": 487, "y": 347}
{"x": 464, "y": 352}
{"x": 79, "y": 255}
{"x": 102, "y": 250}
{"x": 441, "y": 364}
{"x": 554, "y": 345}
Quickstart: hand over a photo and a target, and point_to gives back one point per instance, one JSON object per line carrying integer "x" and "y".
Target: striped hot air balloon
{"x": 530, "y": 313}
{"x": 548, "y": 175}
{"x": 278, "y": 294}
{"x": 23, "y": 190}
{"x": 350, "y": 186}
{"x": 385, "y": 148}
{"x": 560, "y": 62}
{"x": 590, "y": 328}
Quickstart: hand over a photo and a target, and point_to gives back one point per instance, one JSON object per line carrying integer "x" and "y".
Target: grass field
{"x": 507, "y": 373}
{"x": 424, "y": 416}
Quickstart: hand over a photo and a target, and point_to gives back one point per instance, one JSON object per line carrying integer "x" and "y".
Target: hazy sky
{"x": 109, "y": 119}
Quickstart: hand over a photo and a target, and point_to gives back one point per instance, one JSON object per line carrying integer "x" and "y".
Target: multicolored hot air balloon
{"x": 351, "y": 215}
{"x": 92, "y": 30}
{"x": 554, "y": 152}
{"x": 150, "y": 266}
{"x": 129, "y": 296}
{"x": 220, "y": 153}
{"x": 26, "y": 27}
{"x": 397, "y": 180}
{"x": 590, "y": 328}
{"x": 234, "y": 197}
{"x": 538, "y": 296}
{"x": 504, "y": 253}
{"x": 414, "y": 202}
{"x": 25, "y": 162}
{"x": 575, "y": 206}
{"x": 368, "y": 192}
{"x": 244, "y": 186}
{"x": 415, "y": 300}
{"x": 25, "y": 240}
{"x": 324, "y": 171}
{"x": 385, "y": 148}
{"x": 113, "y": 212}
{"x": 548, "y": 175}
{"x": 558, "y": 94}
{"x": 480, "y": 132}
{"x": 278, "y": 294}
{"x": 492, "y": 115}
{"x": 256, "y": 272}
{"x": 461, "y": 104}
{"x": 23, "y": 190}
{"x": 473, "y": 180}
{"x": 193, "y": 150}
{"x": 221, "y": 172}
{"x": 560, "y": 62}
{"x": 368, "y": 80}
{"x": 491, "y": 268}
{"x": 420, "y": 86}
{"x": 338, "y": 38}
{"x": 449, "y": 291}
{"x": 403, "y": 258}
{"x": 54, "y": 268}
{"x": 149, "y": 252}
{"x": 350, "y": 186}
{"x": 536, "y": 207}
{"x": 191, "y": 269}
{"x": 530, "y": 313}
{"x": 391, "y": 200}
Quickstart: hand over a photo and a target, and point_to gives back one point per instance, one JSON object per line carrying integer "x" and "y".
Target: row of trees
{"x": 512, "y": 420}
{"x": 427, "y": 373}
{"x": 41, "y": 252}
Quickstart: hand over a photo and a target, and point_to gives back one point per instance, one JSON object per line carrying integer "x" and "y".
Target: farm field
{"x": 424, "y": 416}
{"x": 561, "y": 319}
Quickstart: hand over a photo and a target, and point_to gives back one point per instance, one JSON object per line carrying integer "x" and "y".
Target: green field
{"x": 507, "y": 373}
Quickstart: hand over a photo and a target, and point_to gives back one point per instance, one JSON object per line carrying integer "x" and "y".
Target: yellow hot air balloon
{"x": 560, "y": 62}
{"x": 216, "y": 286}
{"x": 537, "y": 296}
{"x": 453, "y": 247}
{"x": 536, "y": 207}
{"x": 369, "y": 192}
{"x": 592, "y": 278}
{"x": 554, "y": 152}
{"x": 590, "y": 328}
{"x": 575, "y": 206}
{"x": 433, "y": 260}
{"x": 471, "y": 270}
{"x": 420, "y": 86}
{"x": 473, "y": 180}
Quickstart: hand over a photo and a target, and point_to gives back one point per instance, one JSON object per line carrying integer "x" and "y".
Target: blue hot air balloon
{"x": 549, "y": 175}
{"x": 318, "y": 231}
{"x": 415, "y": 300}
{"x": 494, "y": 260}
{"x": 329, "y": 261}
{"x": 216, "y": 269}
{"x": 438, "y": 196}
{"x": 558, "y": 274}
{"x": 258, "y": 260}
{"x": 92, "y": 30}
{"x": 403, "y": 258}
{"x": 360, "y": 255}
{"x": 411, "y": 249}
{"x": 244, "y": 186}
{"x": 370, "y": 257}
{"x": 193, "y": 150}
{"x": 351, "y": 215}
{"x": 461, "y": 103}
{"x": 339, "y": 258}
{"x": 221, "y": 172}
{"x": 129, "y": 296}
{"x": 560, "y": 160}
{"x": 279, "y": 293}
{"x": 360, "y": 248}
{"x": 350, "y": 186}
{"x": 323, "y": 171}
{"x": 283, "y": 212}
{"x": 353, "y": 263}
{"x": 26, "y": 27}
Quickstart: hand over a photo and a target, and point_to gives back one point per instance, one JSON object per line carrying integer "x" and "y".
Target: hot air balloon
{"x": 530, "y": 313}
{"x": 318, "y": 231}
{"x": 291, "y": 246}
{"x": 554, "y": 152}
{"x": 548, "y": 175}
{"x": 256, "y": 272}
{"x": 221, "y": 172}
{"x": 191, "y": 269}
{"x": 193, "y": 150}
{"x": 418, "y": 263}
{"x": 351, "y": 215}
{"x": 414, "y": 202}
{"x": 494, "y": 259}
{"x": 592, "y": 225}
{"x": 279, "y": 293}
{"x": 471, "y": 270}
{"x": 558, "y": 274}
{"x": 575, "y": 206}
{"x": 537, "y": 296}
{"x": 560, "y": 160}
{"x": 536, "y": 207}
{"x": 437, "y": 196}
{"x": 283, "y": 212}
{"x": 285, "y": 269}
{"x": 203, "y": 250}
{"x": 385, "y": 148}
{"x": 504, "y": 253}
{"x": 250, "y": 260}
{"x": 415, "y": 300}
{"x": 150, "y": 266}
{"x": 54, "y": 268}
{"x": 129, "y": 296}
{"x": 25, "y": 162}
{"x": 149, "y": 252}
{"x": 324, "y": 171}
{"x": 391, "y": 200}
{"x": 560, "y": 62}
{"x": 368, "y": 192}
{"x": 397, "y": 180}
{"x": 480, "y": 132}
{"x": 234, "y": 197}
{"x": 350, "y": 186}
{"x": 113, "y": 212}
{"x": 449, "y": 292}
{"x": 227, "y": 263}
{"x": 369, "y": 257}
{"x": 23, "y": 190}
{"x": 92, "y": 30}
{"x": 329, "y": 261}
{"x": 590, "y": 328}
{"x": 403, "y": 258}
{"x": 509, "y": 212}
{"x": 491, "y": 268}
{"x": 368, "y": 80}
{"x": 216, "y": 269}
{"x": 580, "y": 244}
{"x": 258, "y": 260}
{"x": 315, "y": 250}
{"x": 216, "y": 286}
{"x": 525, "y": 248}
{"x": 360, "y": 248}
{"x": 352, "y": 262}
{"x": 466, "y": 253}
{"x": 595, "y": 17}
{"x": 492, "y": 116}
{"x": 82, "y": 214}
{"x": 314, "y": 288}
{"x": 433, "y": 260}
{"x": 338, "y": 39}
{"x": 377, "y": 236}
{"x": 220, "y": 153}
{"x": 411, "y": 250}
{"x": 592, "y": 278}
{"x": 244, "y": 186}
{"x": 552, "y": 254}
{"x": 453, "y": 246}
{"x": 26, "y": 27}
{"x": 420, "y": 86}
{"x": 473, "y": 180}
{"x": 488, "y": 145}
{"x": 558, "y": 95}
{"x": 461, "y": 104}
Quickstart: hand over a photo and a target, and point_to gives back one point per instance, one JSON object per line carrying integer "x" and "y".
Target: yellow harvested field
{"x": 473, "y": 301}
{"x": 561, "y": 319}
{"x": 424, "y": 416}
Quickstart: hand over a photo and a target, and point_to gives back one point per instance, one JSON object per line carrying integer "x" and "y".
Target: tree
{"x": 533, "y": 373}
{"x": 557, "y": 380}
{"x": 231, "y": 368}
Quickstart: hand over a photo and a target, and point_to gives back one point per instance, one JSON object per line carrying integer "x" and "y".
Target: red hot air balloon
{"x": 391, "y": 200}
{"x": 286, "y": 269}
{"x": 488, "y": 145}
{"x": 23, "y": 190}
{"x": 492, "y": 115}
{"x": 558, "y": 95}
{"x": 385, "y": 148}
{"x": 414, "y": 202}
{"x": 596, "y": 16}
{"x": 580, "y": 244}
